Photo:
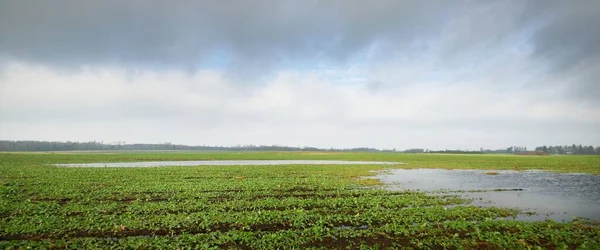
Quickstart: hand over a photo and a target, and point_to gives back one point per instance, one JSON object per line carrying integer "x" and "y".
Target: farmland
{"x": 263, "y": 207}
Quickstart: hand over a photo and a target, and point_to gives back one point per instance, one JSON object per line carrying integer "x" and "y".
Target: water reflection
{"x": 222, "y": 163}
{"x": 550, "y": 195}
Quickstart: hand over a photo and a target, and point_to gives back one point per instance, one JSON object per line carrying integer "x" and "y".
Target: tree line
{"x": 6, "y": 145}
{"x": 572, "y": 149}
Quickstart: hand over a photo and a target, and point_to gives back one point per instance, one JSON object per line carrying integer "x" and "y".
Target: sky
{"x": 330, "y": 73}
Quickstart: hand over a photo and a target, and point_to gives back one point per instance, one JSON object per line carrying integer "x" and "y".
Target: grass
{"x": 262, "y": 207}
{"x": 564, "y": 163}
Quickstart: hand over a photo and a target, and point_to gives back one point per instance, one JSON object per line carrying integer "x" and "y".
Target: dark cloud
{"x": 252, "y": 37}
{"x": 568, "y": 40}
{"x": 569, "y": 35}
{"x": 187, "y": 32}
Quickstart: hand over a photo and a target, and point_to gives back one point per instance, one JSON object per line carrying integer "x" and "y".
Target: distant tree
{"x": 589, "y": 150}
{"x": 572, "y": 149}
{"x": 414, "y": 150}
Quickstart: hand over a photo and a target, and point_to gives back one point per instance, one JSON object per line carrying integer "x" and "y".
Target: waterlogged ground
{"x": 261, "y": 207}
{"x": 221, "y": 163}
{"x": 546, "y": 195}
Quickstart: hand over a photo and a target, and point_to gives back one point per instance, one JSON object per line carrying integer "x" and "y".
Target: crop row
{"x": 248, "y": 207}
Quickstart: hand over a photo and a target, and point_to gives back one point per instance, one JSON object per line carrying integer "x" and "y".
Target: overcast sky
{"x": 386, "y": 74}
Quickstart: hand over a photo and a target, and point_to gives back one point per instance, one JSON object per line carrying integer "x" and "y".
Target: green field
{"x": 263, "y": 207}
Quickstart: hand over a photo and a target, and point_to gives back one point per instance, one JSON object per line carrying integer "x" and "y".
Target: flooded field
{"x": 549, "y": 195}
{"x": 223, "y": 163}
{"x": 130, "y": 204}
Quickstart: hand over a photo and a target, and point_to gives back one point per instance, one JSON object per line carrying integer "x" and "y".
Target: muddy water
{"x": 222, "y": 163}
{"x": 549, "y": 195}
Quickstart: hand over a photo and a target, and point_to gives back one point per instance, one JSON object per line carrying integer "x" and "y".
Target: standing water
{"x": 221, "y": 163}
{"x": 555, "y": 196}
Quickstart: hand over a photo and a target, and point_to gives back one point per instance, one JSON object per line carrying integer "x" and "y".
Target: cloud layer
{"x": 393, "y": 74}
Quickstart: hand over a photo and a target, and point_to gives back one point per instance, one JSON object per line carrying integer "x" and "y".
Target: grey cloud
{"x": 570, "y": 34}
{"x": 255, "y": 36}
{"x": 185, "y": 32}
{"x": 569, "y": 42}
{"x": 263, "y": 33}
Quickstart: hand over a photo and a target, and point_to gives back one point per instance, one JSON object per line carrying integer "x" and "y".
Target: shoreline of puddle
{"x": 539, "y": 195}
{"x": 221, "y": 163}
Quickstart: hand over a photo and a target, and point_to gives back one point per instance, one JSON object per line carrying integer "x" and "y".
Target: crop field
{"x": 264, "y": 207}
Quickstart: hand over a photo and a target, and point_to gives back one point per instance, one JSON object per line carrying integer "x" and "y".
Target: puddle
{"x": 223, "y": 163}
{"x": 554, "y": 196}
